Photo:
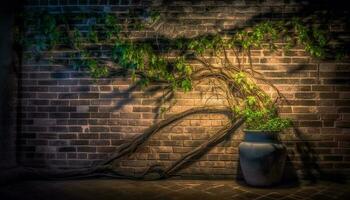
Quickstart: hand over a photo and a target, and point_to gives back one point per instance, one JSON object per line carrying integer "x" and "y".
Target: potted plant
{"x": 262, "y": 155}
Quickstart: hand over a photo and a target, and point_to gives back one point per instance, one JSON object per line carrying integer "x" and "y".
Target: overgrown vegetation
{"x": 235, "y": 80}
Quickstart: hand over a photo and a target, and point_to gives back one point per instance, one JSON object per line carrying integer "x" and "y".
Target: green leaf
{"x": 92, "y": 35}
{"x": 251, "y": 100}
{"x": 186, "y": 85}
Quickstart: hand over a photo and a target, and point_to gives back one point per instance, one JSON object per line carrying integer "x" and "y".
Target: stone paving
{"x": 105, "y": 189}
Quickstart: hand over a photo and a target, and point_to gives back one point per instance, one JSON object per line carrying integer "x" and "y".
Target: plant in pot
{"x": 262, "y": 155}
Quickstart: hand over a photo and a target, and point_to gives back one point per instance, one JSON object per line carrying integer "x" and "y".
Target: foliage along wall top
{"x": 171, "y": 61}
{"x": 150, "y": 62}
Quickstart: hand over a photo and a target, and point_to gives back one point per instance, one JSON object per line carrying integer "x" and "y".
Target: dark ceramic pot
{"x": 262, "y": 158}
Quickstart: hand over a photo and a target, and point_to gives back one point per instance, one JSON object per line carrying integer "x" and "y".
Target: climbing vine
{"x": 235, "y": 78}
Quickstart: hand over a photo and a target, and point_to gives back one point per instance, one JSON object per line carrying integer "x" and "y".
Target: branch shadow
{"x": 311, "y": 170}
{"x": 308, "y": 155}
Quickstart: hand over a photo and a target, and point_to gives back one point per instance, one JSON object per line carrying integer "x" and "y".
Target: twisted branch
{"x": 124, "y": 149}
{"x": 132, "y": 146}
{"x": 221, "y": 135}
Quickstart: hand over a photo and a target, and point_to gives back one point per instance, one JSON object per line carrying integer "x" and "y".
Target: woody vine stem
{"x": 178, "y": 65}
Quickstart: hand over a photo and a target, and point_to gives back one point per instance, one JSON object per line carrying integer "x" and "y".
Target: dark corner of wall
{"x": 8, "y": 86}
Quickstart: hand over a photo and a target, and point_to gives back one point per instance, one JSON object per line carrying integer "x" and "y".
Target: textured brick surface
{"x": 69, "y": 120}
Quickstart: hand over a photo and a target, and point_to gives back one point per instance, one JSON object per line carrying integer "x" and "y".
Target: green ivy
{"x": 264, "y": 119}
{"x": 144, "y": 62}
{"x": 49, "y": 30}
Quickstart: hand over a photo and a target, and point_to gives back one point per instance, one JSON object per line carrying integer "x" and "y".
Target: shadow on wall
{"x": 309, "y": 157}
{"x": 322, "y": 11}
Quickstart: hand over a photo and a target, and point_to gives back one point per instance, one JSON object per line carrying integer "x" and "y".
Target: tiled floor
{"x": 101, "y": 189}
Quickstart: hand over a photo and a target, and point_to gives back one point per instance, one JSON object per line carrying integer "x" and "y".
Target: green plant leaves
{"x": 186, "y": 85}
{"x": 77, "y": 39}
{"x": 146, "y": 62}
{"x": 92, "y": 35}
{"x": 251, "y": 101}
{"x": 265, "y": 120}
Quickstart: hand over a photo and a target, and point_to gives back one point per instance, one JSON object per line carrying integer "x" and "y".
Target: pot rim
{"x": 260, "y": 131}
{"x": 261, "y": 136}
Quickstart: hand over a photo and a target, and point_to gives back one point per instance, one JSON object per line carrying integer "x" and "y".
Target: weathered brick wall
{"x": 70, "y": 121}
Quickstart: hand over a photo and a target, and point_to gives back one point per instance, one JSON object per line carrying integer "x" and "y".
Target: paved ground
{"x": 103, "y": 189}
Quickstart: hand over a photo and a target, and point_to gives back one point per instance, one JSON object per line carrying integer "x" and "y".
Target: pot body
{"x": 262, "y": 158}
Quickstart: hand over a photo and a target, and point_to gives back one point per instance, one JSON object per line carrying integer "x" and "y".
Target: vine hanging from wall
{"x": 178, "y": 64}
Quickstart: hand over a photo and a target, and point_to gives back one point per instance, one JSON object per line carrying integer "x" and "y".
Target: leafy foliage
{"x": 265, "y": 119}
{"x": 147, "y": 63}
{"x": 261, "y": 117}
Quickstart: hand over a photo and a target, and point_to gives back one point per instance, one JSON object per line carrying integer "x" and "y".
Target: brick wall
{"x": 70, "y": 121}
